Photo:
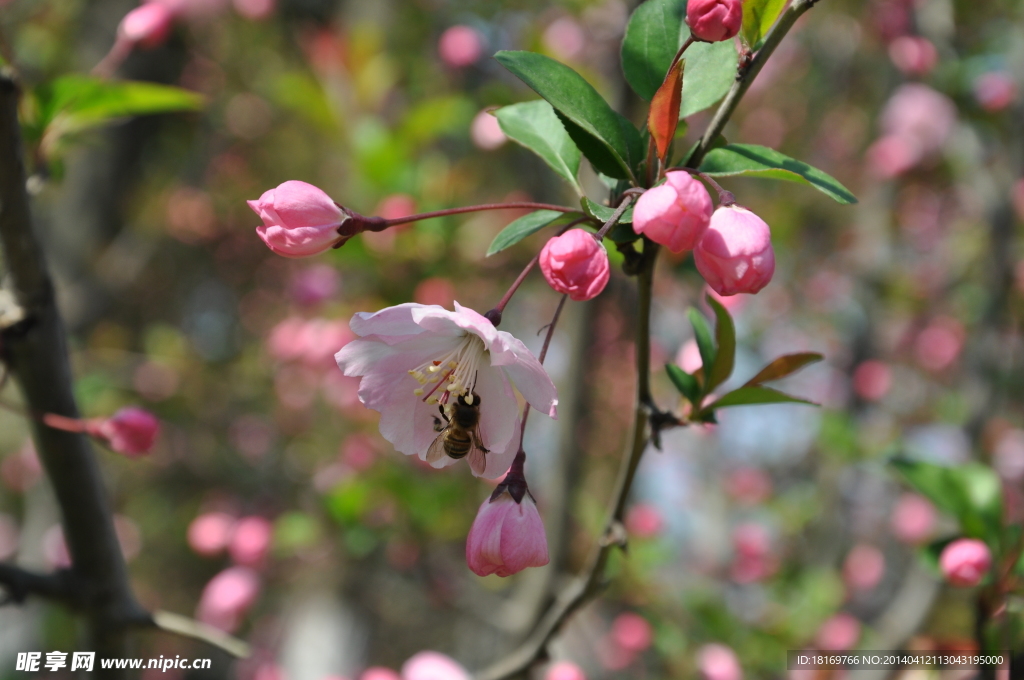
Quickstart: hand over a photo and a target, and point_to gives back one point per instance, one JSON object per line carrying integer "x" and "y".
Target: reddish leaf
{"x": 664, "y": 115}
{"x": 784, "y": 365}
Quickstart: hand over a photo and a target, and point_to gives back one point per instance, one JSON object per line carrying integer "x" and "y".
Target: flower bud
{"x": 576, "y": 264}
{"x": 227, "y": 597}
{"x": 299, "y": 219}
{"x": 131, "y": 431}
{"x": 429, "y": 665}
{"x": 632, "y": 632}
{"x": 250, "y": 541}
{"x": 210, "y": 533}
{"x": 674, "y": 214}
{"x": 714, "y": 20}
{"x": 735, "y": 254}
{"x": 506, "y": 537}
{"x": 965, "y": 561}
{"x": 147, "y": 26}
{"x": 718, "y": 662}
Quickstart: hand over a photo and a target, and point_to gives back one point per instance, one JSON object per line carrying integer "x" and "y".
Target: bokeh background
{"x": 781, "y": 528}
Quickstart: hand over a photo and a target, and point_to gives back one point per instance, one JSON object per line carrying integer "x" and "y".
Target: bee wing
{"x": 436, "y": 451}
{"x": 477, "y": 454}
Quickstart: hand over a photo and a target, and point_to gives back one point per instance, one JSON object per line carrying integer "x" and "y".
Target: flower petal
{"x": 529, "y": 377}
{"x": 523, "y": 541}
{"x": 483, "y": 544}
{"x": 498, "y": 462}
{"x": 498, "y": 408}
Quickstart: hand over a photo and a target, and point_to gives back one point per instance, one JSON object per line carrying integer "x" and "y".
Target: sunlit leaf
{"x": 759, "y": 161}
{"x": 535, "y": 126}
{"x": 519, "y": 229}
{"x": 725, "y": 339}
{"x": 784, "y": 365}
{"x": 710, "y": 72}
{"x": 749, "y": 396}
{"x": 705, "y": 344}
{"x": 971, "y": 493}
{"x": 684, "y": 382}
{"x": 652, "y": 39}
{"x": 758, "y": 18}
{"x": 604, "y": 213}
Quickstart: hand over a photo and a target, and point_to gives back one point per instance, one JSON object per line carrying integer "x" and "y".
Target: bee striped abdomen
{"x": 457, "y": 443}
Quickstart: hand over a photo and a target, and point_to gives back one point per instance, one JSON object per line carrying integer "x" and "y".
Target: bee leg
{"x": 438, "y": 426}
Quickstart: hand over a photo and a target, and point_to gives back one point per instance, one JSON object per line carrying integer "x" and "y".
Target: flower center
{"x": 444, "y": 380}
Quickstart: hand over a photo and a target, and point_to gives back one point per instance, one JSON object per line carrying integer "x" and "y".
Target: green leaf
{"x": 702, "y": 333}
{"x": 725, "y": 339}
{"x": 710, "y": 72}
{"x": 519, "y": 229}
{"x": 604, "y": 213}
{"x": 758, "y": 17}
{"x": 749, "y": 396}
{"x": 579, "y": 102}
{"x": 971, "y": 493}
{"x": 760, "y": 161}
{"x": 535, "y": 126}
{"x": 785, "y": 365}
{"x": 652, "y": 39}
{"x": 684, "y": 382}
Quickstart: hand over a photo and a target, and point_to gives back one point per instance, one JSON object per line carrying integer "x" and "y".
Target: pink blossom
{"x": 250, "y": 541}
{"x": 485, "y": 132}
{"x": 147, "y": 25}
{"x": 21, "y": 470}
{"x": 674, "y": 214}
{"x": 863, "y": 567}
{"x": 227, "y": 597}
{"x": 872, "y": 380}
{"x": 413, "y": 358}
{"x": 210, "y": 533}
{"x": 749, "y": 485}
{"x": 939, "y": 344}
{"x": 432, "y": 666}
{"x": 434, "y": 291}
{"x": 460, "y": 46}
{"x": 920, "y": 115}
{"x": 506, "y": 537}
{"x": 965, "y": 561}
{"x": 576, "y": 264}
{"x": 995, "y": 90}
{"x": 689, "y": 358}
{"x": 644, "y": 521}
{"x": 131, "y": 431}
{"x": 299, "y": 219}
{"x": 193, "y": 9}
{"x": 751, "y": 540}
{"x": 913, "y": 55}
{"x": 564, "y": 38}
{"x": 714, "y": 20}
{"x": 255, "y": 9}
{"x": 892, "y": 155}
{"x": 839, "y": 633}
{"x": 564, "y": 670}
{"x": 314, "y": 285}
{"x": 379, "y": 673}
{"x": 735, "y": 254}
{"x": 913, "y": 519}
{"x": 394, "y": 206}
{"x": 1008, "y": 455}
{"x": 632, "y": 632}
{"x": 718, "y": 662}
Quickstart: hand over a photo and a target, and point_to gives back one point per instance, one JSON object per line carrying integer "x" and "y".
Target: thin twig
{"x": 515, "y": 205}
{"x": 627, "y": 200}
{"x": 543, "y": 355}
{"x": 197, "y": 630}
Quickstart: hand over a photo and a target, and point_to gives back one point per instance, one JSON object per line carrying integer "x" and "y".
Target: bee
{"x": 459, "y": 436}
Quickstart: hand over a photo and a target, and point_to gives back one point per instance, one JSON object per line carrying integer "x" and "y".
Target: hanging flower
{"x": 415, "y": 358}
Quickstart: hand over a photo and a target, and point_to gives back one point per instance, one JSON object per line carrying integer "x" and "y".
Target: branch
{"x": 745, "y": 77}
{"x": 21, "y": 583}
{"x": 35, "y": 352}
{"x": 196, "y": 630}
{"x": 591, "y": 581}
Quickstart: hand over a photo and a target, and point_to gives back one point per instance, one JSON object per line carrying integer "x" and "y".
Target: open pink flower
{"x": 506, "y": 537}
{"x": 413, "y": 358}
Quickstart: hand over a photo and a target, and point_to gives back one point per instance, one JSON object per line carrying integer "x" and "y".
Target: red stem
{"x": 515, "y": 205}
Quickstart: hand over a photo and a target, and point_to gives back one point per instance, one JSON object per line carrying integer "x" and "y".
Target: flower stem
{"x": 515, "y": 205}
{"x": 627, "y": 199}
{"x": 543, "y": 355}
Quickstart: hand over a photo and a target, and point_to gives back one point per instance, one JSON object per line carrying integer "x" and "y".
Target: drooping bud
{"x": 735, "y": 254}
{"x": 131, "y": 431}
{"x": 965, "y": 561}
{"x": 300, "y": 220}
{"x": 714, "y": 20}
{"x": 674, "y": 214}
{"x": 147, "y": 26}
{"x": 576, "y": 264}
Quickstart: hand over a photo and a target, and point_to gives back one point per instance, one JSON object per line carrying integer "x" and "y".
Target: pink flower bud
{"x": 131, "y": 431}
{"x": 913, "y": 519}
{"x": 460, "y": 46}
{"x": 564, "y": 670}
{"x": 575, "y": 263}
{"x": 506, "y": 537}
{"x": 227, "y": 597}
{"x": 674, "y": 214}
{"x": 714, "y": 20}
{"x": 299, "y": 219}
{"x": 863, "y": 567}
{"x": 250, "y": 541}
{"x": 913, "y": 55}
{"x": 210, "y": 533}
{"x": 632, "y": 632}
{"x": 147, "y": 26}
{"x": 838, "y": 633}
{"x": 432, "y": 666}
{"x": 965, "y": 561}
{"x": 718, "y": 662}
{"x": 644, "y": 521}
{"x": 735, "y": 254}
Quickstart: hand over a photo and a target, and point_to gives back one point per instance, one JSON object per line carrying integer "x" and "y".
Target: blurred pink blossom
{"x": 718, "y": 662}
{"x": 1008, "y": 455}
{"x": 564, "y": 670}
{"x": 872, "y": 380}
{"x": 751, "y": 540}
{"x": 21, "y": 470}
{"x": 564, "y": 38}
{"x": 254, "y": 9}
{"x": 460, "y": 46}
{"x": 689, "y": 358}
{"x": 632, "y": 632}
{"x": 435, "y": 291}
{"x": 394, "y": 206}
{"x": 486, "y": 132}
{"x": 749, "y": 485}
{"x": 891, "y": 156}
{"x": 913, "y": 519}
{"x": 146, "y": 26}
{"x": 913, "y": 55}
{"x": 643, "y": 520}
{"x": 55, "y": 548}
{"x": 839, "y": 633}
{"x": 939, "y": 344}
{"x": 432, "y": 666}
{"x": 863, "y": 567}
{"x": 314, "y": 285}
{"x": 359, "y": 451}
{"x": 250, "y": 541}
{"x": 995, "y": 90}
{"x": 379, "y": 673}
{"x": 915, "y": 122}
{"x": 210, "y": 533}
{"x": 227, "y": 597}
{"x": 965, "y": 562}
